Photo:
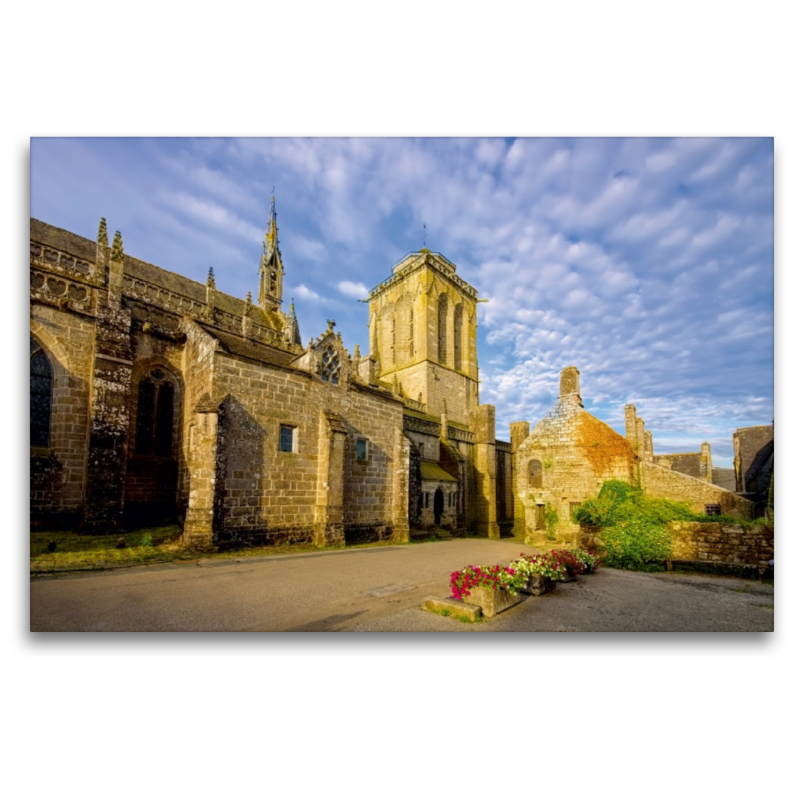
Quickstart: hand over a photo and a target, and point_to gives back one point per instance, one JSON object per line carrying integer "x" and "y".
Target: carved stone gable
{"x": 327, "y": 358}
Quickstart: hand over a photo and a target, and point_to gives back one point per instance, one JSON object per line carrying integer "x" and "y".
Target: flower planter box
{"x": 538, "y": 584}
{"x": 492, "y": 601}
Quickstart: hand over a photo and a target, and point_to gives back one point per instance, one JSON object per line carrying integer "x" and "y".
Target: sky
{"x": 645, "y": 262}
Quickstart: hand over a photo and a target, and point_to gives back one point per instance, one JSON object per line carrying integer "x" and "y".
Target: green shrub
{"x": 633, "y": 528}
{"x": 147, "y": 541}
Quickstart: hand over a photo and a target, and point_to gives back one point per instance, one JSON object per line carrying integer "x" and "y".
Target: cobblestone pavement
{"x": 382, "y": 589}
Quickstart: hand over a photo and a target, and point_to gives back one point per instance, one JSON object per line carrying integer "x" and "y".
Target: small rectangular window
{"x": 362, "y": 449}
{"x": 713, "y": 510}
{"x": 287, "y": 439}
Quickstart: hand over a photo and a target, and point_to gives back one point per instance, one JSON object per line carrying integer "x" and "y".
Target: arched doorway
{"x": 438, "y": 506}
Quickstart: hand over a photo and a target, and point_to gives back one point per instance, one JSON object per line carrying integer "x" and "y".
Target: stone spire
{"x": 291, "y": 331}
{"x": 270, "y": 292}
{"x": 210, "y": 280}
{"x": 116, "y": 247}
{"x": 102, "y": 233}
{"x": 101, "y": 257}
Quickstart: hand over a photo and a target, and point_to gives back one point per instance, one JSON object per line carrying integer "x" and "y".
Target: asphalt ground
{"x": 383, "y": 589}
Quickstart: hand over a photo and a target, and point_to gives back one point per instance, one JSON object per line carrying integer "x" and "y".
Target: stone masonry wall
{"x": 272, "y": 495}
{"x": 716, "y": 542}
{"x": 657, "y": 481}
{"x": 747, "y": 442}
{"x": 57, "y": 472}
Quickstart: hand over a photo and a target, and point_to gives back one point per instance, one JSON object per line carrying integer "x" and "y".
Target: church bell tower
{"x": 423, "y": 334}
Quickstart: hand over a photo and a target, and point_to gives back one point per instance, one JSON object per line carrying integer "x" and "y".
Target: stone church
{"x": 156, "y": 398}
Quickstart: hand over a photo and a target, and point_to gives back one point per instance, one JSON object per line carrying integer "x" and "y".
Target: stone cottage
{"x": 563, "y": 461}
{"x": 568, "y": 456}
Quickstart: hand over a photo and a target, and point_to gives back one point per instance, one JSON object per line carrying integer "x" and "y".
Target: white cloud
{"x": 357, "y": 290}
{"x": 302, "y": 291}
{"x": 213, "y": 214}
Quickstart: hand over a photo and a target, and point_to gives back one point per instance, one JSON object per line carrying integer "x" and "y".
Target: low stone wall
{"x": 722, "y": 542}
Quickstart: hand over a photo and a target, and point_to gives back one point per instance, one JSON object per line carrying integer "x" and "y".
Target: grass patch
{"x": 460, "y": 617}
{"x": 57, "y": 551}
{"x": 54, "y": 551}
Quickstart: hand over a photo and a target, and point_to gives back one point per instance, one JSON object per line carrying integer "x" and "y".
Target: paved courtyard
{"x": 382, "y": 589}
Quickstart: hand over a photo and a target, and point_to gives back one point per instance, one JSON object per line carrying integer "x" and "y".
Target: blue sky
{"x": 645, "y": 262}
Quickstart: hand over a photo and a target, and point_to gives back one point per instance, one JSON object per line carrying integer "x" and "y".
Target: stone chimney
{"x": 630, "y": 426}
{"x": 571, "y": 384}
{"x": 705, "y": 460}
{"x": 520, "y": 431}
{"x": 367, "y": 370}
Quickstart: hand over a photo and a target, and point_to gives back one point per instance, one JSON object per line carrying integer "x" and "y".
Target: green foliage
{"x": 636, "y": 543}
{"x": 633, "y": 527}
{"x": 550, "y": 519}
{"x": 147, "y": 541}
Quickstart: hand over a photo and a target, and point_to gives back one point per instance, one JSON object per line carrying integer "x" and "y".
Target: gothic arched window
{"x": 535, "y": 474}
{"x": 154, "y": 415}
{"x": 41, "y": 396}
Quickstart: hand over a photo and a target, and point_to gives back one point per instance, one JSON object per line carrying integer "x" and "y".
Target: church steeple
{"x": 270, "y": 291}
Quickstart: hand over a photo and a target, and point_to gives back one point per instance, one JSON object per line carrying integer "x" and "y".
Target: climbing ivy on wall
{"x": 550, "y": 520}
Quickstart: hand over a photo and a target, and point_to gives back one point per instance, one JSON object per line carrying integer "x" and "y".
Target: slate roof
{"x": 247, "y": 348}
{"x": 432, "y": 471}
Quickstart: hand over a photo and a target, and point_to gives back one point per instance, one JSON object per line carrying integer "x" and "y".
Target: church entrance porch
{"x": 438, "y": 507}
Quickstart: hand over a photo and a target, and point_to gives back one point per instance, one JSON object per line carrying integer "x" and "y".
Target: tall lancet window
{"x": 457, "y": 323}
{"x": 41, "y": 396}
{"x": 154, "y": 415}
{"x": 443, "y": 308}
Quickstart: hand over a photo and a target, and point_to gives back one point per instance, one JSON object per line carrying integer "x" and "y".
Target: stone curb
{"x": 457, "y": 608}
